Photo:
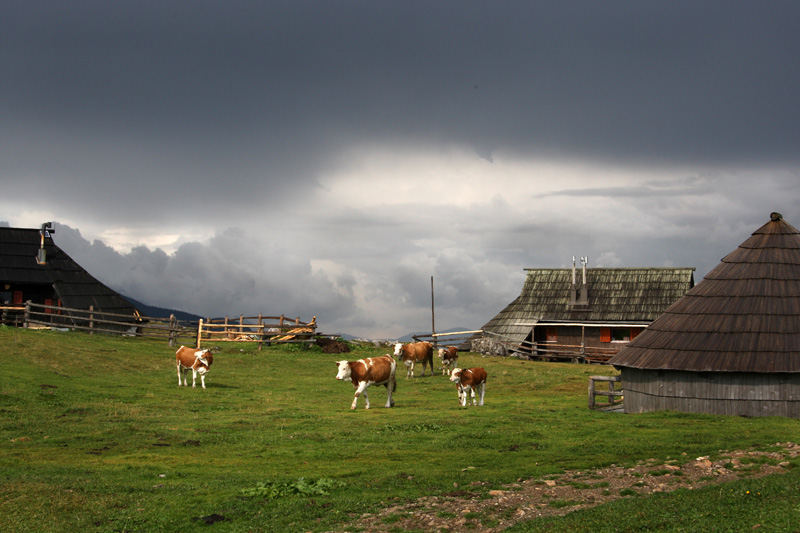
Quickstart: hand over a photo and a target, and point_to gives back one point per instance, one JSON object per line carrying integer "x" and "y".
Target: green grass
{"x": 95, "y": 435}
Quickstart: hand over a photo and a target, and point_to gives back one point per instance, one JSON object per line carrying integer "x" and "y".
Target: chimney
{"x": 583, "y": 296}
{"x": 573, "y": 290}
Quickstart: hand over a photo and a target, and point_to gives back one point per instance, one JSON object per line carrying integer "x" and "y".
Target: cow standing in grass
{"x": 414, "y": 352}
{"x": 448, "y": 356}
{"x": 199, "y": 361}
{"x": 369, "y": 371}
{"x": 467, "y": 380}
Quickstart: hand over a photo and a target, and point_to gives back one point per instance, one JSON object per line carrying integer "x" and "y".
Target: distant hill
{"x": 161, "y": 312}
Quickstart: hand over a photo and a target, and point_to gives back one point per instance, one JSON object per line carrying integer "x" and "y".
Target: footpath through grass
{"x": 95, "y": 435}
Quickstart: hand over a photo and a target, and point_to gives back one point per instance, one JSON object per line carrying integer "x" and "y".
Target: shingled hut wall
{"x": 731, "y": 345}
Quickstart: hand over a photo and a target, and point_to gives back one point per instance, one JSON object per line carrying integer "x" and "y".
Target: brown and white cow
{"x": 199, "y": 361}
{"x": 449, "y": 356}
{"x": 467, "y": 380}
{"x": 414, "y": 352}
{"x": 369, "y": 371}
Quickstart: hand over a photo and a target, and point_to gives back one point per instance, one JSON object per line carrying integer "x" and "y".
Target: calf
{"x": 449, "y": 356}
{"x": 414, "y": 352}
{"x": 369, "y": 371}
{"x": 199, "y": 361}
{"x": 467, "y": 380}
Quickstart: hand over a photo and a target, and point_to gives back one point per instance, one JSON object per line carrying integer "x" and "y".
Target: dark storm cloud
{"x": 292, "y": 81}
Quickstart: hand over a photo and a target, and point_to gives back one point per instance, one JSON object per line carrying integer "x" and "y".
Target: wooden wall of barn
{"x": 721, "y": 393}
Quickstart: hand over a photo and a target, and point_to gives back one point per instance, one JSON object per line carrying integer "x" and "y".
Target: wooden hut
{"x": 582, "y": 314}
{"x": 33, "y": 268}
{"x": 731, "y": 345}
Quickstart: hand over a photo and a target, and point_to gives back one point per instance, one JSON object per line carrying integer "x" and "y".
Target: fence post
{"x": 260, "y": 331}
{"x": 27, "y": 319}
{"x": 199, "y": 332}
{"x": 173, "y": 331}
{"x": 91, "y": 320}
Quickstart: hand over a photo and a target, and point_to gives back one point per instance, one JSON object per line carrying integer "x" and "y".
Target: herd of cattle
{"x": 381, "y": 371}
{"x": 366, "y": 372}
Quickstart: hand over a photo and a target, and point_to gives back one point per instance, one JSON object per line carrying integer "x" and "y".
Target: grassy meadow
{"x": 95, "y": 435}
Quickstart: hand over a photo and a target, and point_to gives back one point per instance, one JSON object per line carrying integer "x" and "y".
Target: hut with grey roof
{"x": 583, "y": 314}
{"x": 731, "y": 345}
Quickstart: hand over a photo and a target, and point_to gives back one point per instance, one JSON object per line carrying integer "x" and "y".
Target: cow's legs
{"x": 194, "y": 377}
{"x": 362, "y": 388}
{"x": 389, "y": 387}
{"x": 409, "y": 368}
{"x": 482, "y": 390}
{"x": 203, "y": 379}
{"x": 179, "y": 374}
{"x": 462, "y": 396}
{"x": 472, "y": 395}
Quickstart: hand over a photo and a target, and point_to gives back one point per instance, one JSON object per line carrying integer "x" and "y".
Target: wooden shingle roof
{"x": 72, "y": 284}
{"x": 743, "y": 317}
{"x": 615, "y": 295}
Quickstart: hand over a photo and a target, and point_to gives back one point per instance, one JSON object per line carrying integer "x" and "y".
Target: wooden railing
{"x": 550, "y": 351}
{"x": 12, "y": 315}
{"x": 614, "y": 395}
{"x": 91, "y": 321}
{"x": 260, "y": 329}
{"x": 453, "y": 338}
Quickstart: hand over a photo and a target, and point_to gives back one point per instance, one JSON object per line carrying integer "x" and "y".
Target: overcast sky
{"x": 326, "y": 158}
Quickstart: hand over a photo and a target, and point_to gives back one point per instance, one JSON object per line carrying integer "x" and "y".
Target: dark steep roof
{"x": 72, "y": 284}
{"x": 615, "y": 295}
{"x": 743, "y": 317}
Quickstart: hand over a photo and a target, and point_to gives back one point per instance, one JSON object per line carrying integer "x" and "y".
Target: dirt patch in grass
{"x": 497, "y": 509}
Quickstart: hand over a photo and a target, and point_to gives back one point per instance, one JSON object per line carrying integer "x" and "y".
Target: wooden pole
{"x": 199, "y": 332}
{"x": 260, "y": 331}
{"x": 433, "y": 319}
{"x": 91, "y": 320}
{"x": 173, "y": 329}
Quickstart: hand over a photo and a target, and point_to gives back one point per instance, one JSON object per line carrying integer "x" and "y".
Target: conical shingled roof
{"x": 743, "y": 317}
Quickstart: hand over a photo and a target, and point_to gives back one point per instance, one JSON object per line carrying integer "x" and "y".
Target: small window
{"x": 605, "y": 334}
{"x": 551, "y": 334}
{"x": 620, "y": 334}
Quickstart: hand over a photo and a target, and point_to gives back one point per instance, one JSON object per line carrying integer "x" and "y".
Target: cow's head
{"x": 441, "y": 353}
{"x": 343, "y": 370}
{"x": 455, "y": 375}
{"x": 204, "y": 357}
{"x": 398, "y": 348}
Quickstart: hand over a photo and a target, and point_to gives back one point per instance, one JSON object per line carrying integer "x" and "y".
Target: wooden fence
{"x": 454, "y": 338}
{"x": 261, "y": 329}
{"x": 51, "y": 316}
{"x": 498, "y": 344}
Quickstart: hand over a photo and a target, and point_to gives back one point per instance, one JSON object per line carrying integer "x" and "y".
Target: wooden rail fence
{"x": 51, "y": 316}
{"x": 255, "y": 329}
{"x": 261, "y": 329}
{"x": 550, "y": 351}
{"x": 613, "y": 394}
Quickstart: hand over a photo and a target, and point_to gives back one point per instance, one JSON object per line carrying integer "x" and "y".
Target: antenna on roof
{"x": 41, "y": 255}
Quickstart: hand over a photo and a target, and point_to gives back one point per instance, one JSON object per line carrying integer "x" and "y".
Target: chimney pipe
{"x": 573, "y": 271}
{"x": 584, "y": 261}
